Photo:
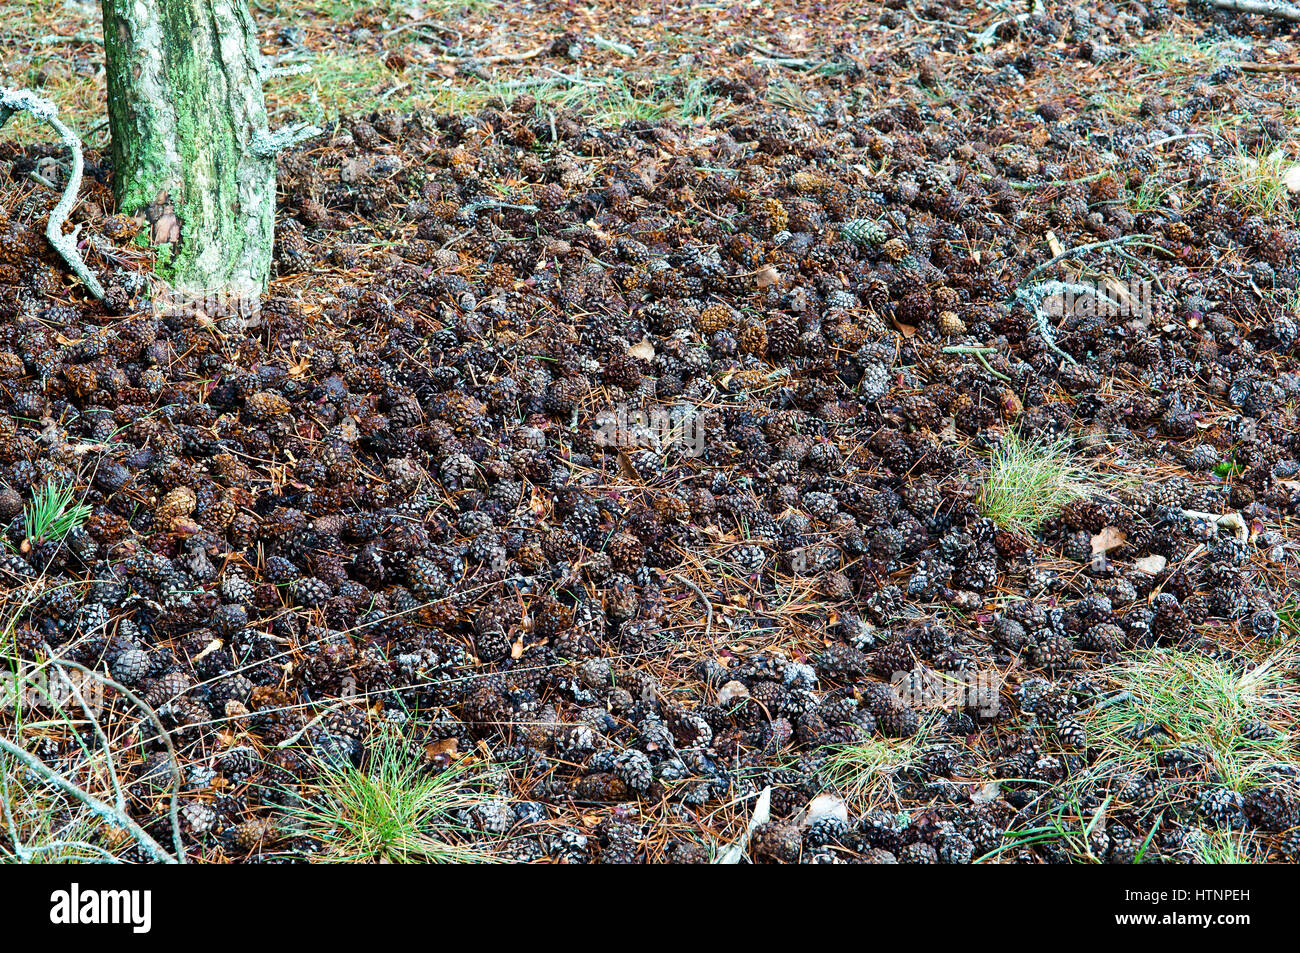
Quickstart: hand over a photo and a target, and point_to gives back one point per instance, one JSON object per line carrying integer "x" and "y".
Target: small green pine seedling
{"x": 52, "y": 514}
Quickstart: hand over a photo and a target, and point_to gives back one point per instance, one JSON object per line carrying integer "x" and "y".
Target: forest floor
{"x": 674, "y": 433}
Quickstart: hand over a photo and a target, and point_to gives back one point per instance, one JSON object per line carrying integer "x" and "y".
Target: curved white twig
{"x": 106, "y": 811}
{"x": 24, "y": 100}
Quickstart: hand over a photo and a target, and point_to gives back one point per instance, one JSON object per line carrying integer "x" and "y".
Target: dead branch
{"x": 1264, "y": 8}
{"x": 24, "y": 100}
{"x": 105, "y": 811}
{"x": 163, "y": 733}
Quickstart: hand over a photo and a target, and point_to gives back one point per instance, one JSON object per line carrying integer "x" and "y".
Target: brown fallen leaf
{"x": 906, "y": 330}
{"x": 447, "y": 746}
{"x": 1108, "y": 539}
{"x": 537, "y": 503}
{"x": 625, "y": 466}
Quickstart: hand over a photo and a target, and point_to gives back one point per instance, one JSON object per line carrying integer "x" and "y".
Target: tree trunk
{"x": 191, "y": 153}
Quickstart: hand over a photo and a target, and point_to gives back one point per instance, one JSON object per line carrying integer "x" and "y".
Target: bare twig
{"x": 163, "y": 733}
{"x": 708, "y": 606}
{"x": 1248, "y": 67}
{"x": 293, "y": 738}
{"x": 622, "y": 49}
{"x": 24, "y": 100}
{"x": 500, "y": 57}
{"x": 105, "y": 811}
{"x": 1264, "y": 8}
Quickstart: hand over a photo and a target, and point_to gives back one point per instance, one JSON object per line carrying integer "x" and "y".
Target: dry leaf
{"x": 731, "y": 691}
{"x": 643, "y": 350}
{"x": 762, "y": 814}
{"x": 626, "y": 468}
{"x": 1108, "y": 539}
{"x": 537, "y": 503}
{"x": 447, "y": 746}
{"x": 823, "y": 805}
{"x": 600, "y": 232}
{"x": 1292, "y": 179}
{"x": 1150, "y": 564}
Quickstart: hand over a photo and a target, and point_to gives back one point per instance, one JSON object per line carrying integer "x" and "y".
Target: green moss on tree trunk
{"x": 188, "y": 121}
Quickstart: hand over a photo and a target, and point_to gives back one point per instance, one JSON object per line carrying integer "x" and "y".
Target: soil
{"x": 638, "y": 463}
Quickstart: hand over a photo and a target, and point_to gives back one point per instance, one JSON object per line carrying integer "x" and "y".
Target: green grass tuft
{"x": 1166, "y": 53}
{"x": 391, "y": 810}
{"x": 864, "y": 773}
{"x": 1228, "y": 847}
{"x": 1029, "y": 482}
{"x": 1257, "y": 183}
{"x": 1203, "y": 702}
{"x": 1166, "y": 699}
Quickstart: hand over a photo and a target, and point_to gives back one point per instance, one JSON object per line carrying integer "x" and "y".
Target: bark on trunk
{"x": 190, "y": 144}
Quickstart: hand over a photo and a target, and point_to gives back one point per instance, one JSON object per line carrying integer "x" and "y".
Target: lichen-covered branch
{"x": 267, "y": 144}
{"x": 1078, "y": 250}
{"x": 1032, "y": 298}
{"x": 1264, "y": 8}
{"x": 23, "y": 100}
{"x": 163, "y": 734}
{"x": 97, "y": 807}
